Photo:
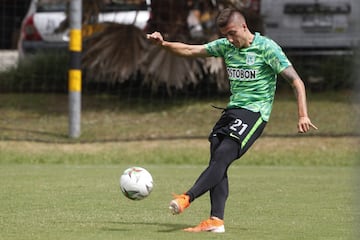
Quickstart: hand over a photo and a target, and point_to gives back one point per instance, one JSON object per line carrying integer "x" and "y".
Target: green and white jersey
{"x": 252, "y": 72}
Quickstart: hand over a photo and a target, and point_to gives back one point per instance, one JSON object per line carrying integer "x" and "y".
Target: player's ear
{"x": 244, "y": 26}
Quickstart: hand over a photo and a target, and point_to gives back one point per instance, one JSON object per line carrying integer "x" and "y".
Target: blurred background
{"x": 120, "y": 66}
{"x": 142, "y": 106}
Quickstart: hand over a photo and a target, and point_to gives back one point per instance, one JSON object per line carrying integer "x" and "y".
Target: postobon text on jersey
{"x": 241, "y": 74}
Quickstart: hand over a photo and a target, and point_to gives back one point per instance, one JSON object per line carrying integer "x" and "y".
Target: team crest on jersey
{"x": 250, "y": 58}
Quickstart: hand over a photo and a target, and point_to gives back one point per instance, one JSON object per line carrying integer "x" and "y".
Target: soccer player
{"x": 253, "y": 63}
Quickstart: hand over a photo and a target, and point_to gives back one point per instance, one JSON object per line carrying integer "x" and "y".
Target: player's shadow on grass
{"x": 165, "y": 227}
{"x": 172, "y": 227}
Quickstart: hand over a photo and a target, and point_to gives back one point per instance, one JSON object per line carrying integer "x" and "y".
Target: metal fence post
{"x": 74, "y": 75}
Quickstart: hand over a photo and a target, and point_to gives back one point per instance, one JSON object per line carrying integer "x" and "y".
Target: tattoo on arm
{"x": 294, "y": 80}
{"x": 290, "y": 74}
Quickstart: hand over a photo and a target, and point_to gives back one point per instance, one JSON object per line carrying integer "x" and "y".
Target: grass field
{"x": 288, "y": 186}
{"x": 84, "y": 202}
{"x": 44, "y": 118}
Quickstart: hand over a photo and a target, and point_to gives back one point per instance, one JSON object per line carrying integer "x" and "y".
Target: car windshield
{"x": 106, "y": 6}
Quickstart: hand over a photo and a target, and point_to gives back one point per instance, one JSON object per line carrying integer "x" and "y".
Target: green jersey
{"x": 252, "y": 72}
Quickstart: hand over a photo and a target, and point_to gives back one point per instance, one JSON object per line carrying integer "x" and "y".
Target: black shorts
{"x": 240, "y": 124}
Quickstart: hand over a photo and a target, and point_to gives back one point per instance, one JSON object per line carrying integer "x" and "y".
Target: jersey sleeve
{"x": 275, "y": 57}
{"x": 216, "y": 48}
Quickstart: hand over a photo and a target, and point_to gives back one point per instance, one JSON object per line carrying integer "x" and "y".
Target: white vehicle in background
{"x": 313, "y": 26}
{"x": 40, "y": 30}
{"x": 319, "y": 36}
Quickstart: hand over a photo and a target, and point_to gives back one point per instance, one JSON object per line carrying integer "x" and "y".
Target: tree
{"x": 115, "y": 52}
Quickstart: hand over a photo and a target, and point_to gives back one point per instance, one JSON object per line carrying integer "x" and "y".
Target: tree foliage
{"x": 118, "y": 52}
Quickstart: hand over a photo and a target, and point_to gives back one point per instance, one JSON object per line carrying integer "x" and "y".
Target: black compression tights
{"x": 214, "y": 178}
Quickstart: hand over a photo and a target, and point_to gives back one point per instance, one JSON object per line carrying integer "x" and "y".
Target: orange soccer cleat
{"x": 179, "y": 203}
{"x": 213, "y": 224}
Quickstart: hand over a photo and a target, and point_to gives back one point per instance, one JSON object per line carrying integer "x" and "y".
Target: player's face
{"x": 235, "y": 34}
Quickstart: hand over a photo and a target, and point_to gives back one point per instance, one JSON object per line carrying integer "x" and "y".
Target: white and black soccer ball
{"x": 136, "y": 183}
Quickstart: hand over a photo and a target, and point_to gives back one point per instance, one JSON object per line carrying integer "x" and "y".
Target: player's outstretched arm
{"x": 304, "y": 122}
{"x": 182, "y": 49}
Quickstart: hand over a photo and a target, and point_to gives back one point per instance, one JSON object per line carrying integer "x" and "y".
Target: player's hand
{"x": 305, "y": 124}
{"x": 155, "y": 37}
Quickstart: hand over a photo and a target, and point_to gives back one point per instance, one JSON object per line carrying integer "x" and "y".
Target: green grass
{"x": 84, "y": 202}
{"x": 44, "y": 117}
{"x": 301, "y": 151}
{"x": 288, "y": 186}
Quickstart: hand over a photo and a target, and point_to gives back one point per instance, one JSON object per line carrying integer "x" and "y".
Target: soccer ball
{"x": 136, "y": 183}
